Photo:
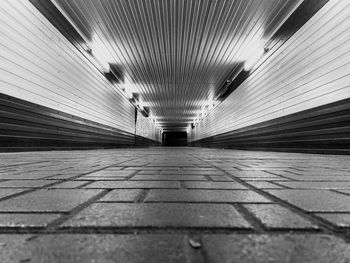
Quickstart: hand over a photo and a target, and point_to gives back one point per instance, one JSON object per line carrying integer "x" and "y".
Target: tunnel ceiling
{"x": 176, "y": 53}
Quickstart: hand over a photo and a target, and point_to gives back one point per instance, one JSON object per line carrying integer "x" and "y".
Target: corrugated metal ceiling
{"x": 176, "y": 53}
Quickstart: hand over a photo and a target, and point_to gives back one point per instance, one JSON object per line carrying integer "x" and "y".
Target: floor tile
{"x": 159, "y": 215}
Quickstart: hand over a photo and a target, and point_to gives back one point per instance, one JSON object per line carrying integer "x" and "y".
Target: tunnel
{"x": 175, "y": 131}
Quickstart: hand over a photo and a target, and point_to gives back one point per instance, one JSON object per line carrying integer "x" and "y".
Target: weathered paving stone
{"x": 55, "y": 200}
{"x": 275, "y": 179}
{"x": 220, "y": 196}
{"x": 13, "y": 248}
{"x": 108, "y": 178}
{"x": 319, "y": 177}
{"x": 170, "y": 172}
{"x": 133, "y": 184}
{"x": 253, "y": 174}
{"x": 315, "y": 200}
{"x": 70, "y": 184}
{"x": 275, "y": 248}
{"x": 148, "y": 172}
{"x": 121, "y": 195}
{"x": 113, "y": 168}
{"x": 68, "y": 248}
{"x": 62, "y": 177}
{"x": 214, "y": 185}
{"x": 338, "y": 219}
{"x": 275, "y": 216}
{"x": 220, "y": 178}
{"x": 203, "y": 172}
{"x": 31, "y": 175}
{"x": 317, "y": 185}
{"x": 8, "y": 192}
{"x": 159, "y": 215}
{"x": 168, "y": 177}
{"x": 263, "y": 185}
{"x": 26, "y": 220}
{"x": 106, "y": 173}
{"x": 25, "y": 183}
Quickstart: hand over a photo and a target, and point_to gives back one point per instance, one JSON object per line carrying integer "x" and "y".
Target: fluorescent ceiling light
{"x": 250, "y": 62}
{"x": 100, "y": 53}
{"x": 252, "y": 53}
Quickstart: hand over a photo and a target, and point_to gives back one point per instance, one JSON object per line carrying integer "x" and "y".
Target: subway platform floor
{"x": 174, "y": 205}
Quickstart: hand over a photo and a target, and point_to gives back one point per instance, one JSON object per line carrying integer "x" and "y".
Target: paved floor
{"x": 174, "y": 205}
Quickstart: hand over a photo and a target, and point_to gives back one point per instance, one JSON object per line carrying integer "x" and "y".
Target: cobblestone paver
{"x": 174, "y": 205}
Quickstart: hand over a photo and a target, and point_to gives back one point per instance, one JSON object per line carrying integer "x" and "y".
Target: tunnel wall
{"x": 297, "y": 100}
{"x": 44, "y": 78}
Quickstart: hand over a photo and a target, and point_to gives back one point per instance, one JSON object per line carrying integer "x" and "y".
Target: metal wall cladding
{"x": 146, "y": 128}
{"x": 311, "y": 69}
{"x": 177, "y": 53}
{"x": 38, "y": 64}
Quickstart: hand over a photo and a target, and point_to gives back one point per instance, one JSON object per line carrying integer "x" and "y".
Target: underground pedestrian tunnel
{"x": 174, "y": 130}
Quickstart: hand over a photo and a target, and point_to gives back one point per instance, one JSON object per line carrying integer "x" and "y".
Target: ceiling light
{"x": 141, "y": 103}
{"x": 128, "y": 93}
{"x": 251, "y": 52}
{"x": 100, "y": 53}
{"x": 250, "y": 62}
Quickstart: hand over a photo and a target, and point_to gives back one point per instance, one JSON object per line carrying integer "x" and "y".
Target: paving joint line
{"x": 54, "y": 224}
{"x": 154, "y": 230}
{"x": 11, "y": 165}
{"x": 279, "y": 175}
{"x": 142, "y": 196}
{"x": 323, "y": 224}
{"x": 281, "y": 185}
{"x": 247, "y": 215}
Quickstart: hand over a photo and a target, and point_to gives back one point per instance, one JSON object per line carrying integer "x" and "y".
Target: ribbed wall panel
{"x": 146, "y": 128}
{"x": 311, "y": 69}
{"x": 38, "y": 64}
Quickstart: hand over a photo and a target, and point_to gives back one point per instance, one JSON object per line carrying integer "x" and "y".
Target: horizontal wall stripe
{"x": 323, "y": 129}
{"x": 28, "y": 126}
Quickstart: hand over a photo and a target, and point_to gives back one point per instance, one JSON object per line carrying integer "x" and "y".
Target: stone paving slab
{"x": 264, "y": 185}
{"x": 66, "y": 248}
{"x": 159, "y": 215}
{"x": 121, "y": 195}
{"x": 315, "y": 200}
{"x": 274, "y": 216}
{"x": 318, "y": 185}
{"x": 220, "y": 178}
{"x": 277, "y": 248}
{"x": 107, "y": 178}
{"x": 214, "y": 185}
{"x": 217, "y": 196}
{"x": 258, "y": 174}
{"x": 56, "y": 200}
{"x": 106, "y": 173}
{"x": 27, "y": 220}
{"x": 69, "y": 184}
{"x": 134, "y": 184}
{"x": 168, "y": 177}
{"x": 7, "y": 192}
{"x": 320, "y": 177}
{"x": 25, "y": 183}
{"x": 338, "y": 219}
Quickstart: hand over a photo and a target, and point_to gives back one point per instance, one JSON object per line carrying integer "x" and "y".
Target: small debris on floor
{"x": 194, "y": 243}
